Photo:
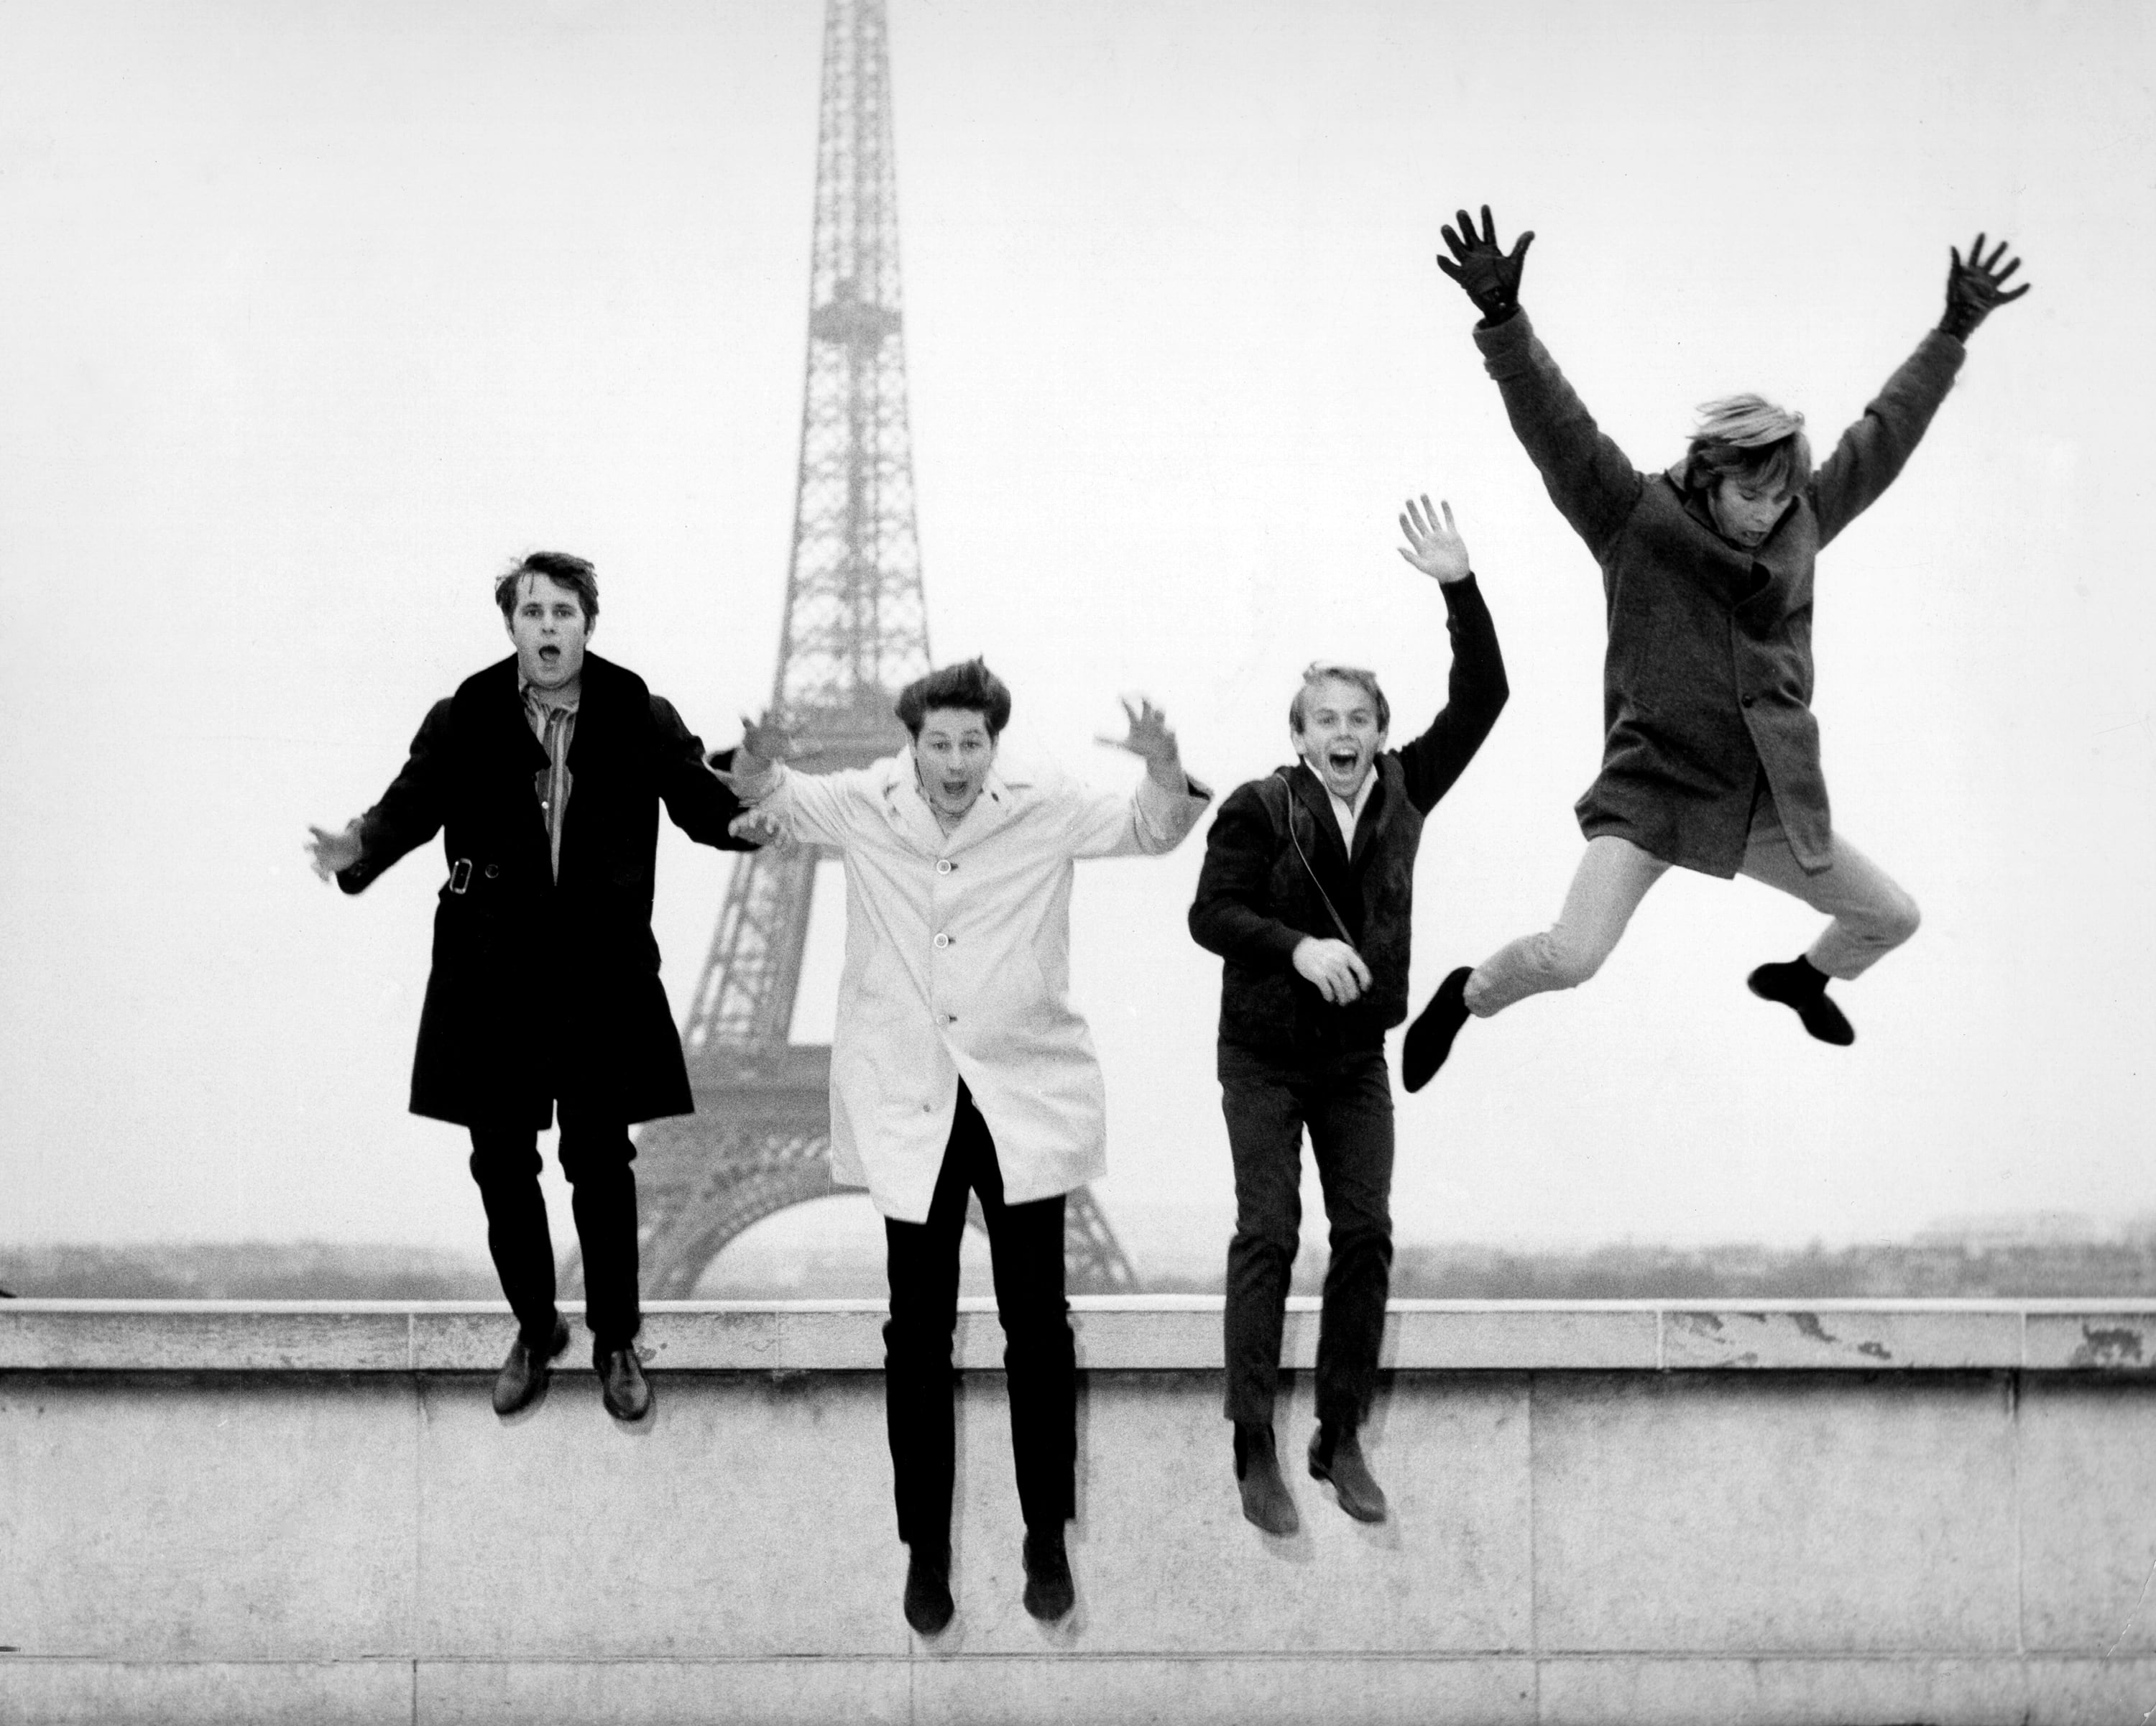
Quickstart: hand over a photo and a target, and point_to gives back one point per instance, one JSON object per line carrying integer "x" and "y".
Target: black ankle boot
{"x": 1266, "y": 1501}
{"x": 1335, "y": 1456}
{"x": 1428, "y": 1040}
{"x": 1050, "y": 1592}
{"x": 1801, "y": 985}
{"x": 928, "y": 1603}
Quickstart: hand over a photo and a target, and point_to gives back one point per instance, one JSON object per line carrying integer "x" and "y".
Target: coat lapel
{"x": 1324, "y": 827}
{"x": 992, "y": 810}
{"x": 905, "y": 806}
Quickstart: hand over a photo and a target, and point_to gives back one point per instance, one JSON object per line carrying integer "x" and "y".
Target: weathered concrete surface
{"x": 1612, "y": 1513}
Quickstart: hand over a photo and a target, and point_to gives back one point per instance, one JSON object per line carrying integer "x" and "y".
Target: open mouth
{"x": 550, "y": 654}
{"x": 1343, "y": 758}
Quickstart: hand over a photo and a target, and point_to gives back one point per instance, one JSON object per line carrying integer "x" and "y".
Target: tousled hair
{"x": 969, "y": 685}
{"x": 1320, "y": 671}
{"x": 1751, "y": 440}
{"x": 574, "y": 573}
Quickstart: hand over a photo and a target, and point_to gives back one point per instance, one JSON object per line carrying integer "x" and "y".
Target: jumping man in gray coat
{"x": 1711, "y": 761}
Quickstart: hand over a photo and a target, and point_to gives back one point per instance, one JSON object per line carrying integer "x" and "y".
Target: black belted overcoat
{"x": 545, "y": 991}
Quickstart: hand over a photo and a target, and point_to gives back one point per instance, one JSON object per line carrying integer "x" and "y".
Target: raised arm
{"x": 1588, "y": 477}
{"x": 408, "y": 815}
{"x": 779, "y": 804}
{"x": 1873, "y": 452}
{"x": 1157, "y": 814}
{"x": 1478, "y": 688}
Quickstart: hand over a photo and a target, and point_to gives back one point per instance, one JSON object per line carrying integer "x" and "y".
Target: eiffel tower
{"x": 855, "y": 632}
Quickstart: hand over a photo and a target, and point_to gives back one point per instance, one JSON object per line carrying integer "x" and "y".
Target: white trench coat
{"x": 959, "y": 966}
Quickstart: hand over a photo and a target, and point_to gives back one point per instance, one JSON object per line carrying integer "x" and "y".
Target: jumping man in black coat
{"x": 544, "y": 773}
{"x": 1305, "y": 892}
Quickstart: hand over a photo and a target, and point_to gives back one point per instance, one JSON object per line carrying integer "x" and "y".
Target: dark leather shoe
{"x": 1049, "y": 1593}
{"x": 1338, "y": 1456}
{"x": 1265, "y": 1500}
{"x": 623, "y": 1386}
{"x": 1428, "y": 1040}
{"x": 929, "y": 1603}
{"x": 522, "y": 1379}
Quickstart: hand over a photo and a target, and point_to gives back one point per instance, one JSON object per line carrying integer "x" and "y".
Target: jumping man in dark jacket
{"x": 1305, "y": 892}
{"x": 1711, "y": 761}
{"x": 544, "y": 774}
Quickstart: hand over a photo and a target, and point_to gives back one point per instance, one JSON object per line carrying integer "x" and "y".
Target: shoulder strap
{"x": 1286, "y": 815}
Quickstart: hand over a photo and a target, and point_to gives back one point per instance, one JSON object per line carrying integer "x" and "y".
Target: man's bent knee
{"x": 1899, "y": 921}
{"x": 1562, "y": 963}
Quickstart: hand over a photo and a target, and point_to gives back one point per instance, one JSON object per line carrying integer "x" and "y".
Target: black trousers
{"x": 1347, "y": 1104}
{"x": 596, "y": 1155}
{"x": 1025, "y": 1247}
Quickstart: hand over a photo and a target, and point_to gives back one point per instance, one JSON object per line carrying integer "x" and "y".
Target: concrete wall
{"x": 1607, "y": 1513}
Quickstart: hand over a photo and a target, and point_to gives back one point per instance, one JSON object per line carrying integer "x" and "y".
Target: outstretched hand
{"x": 1489, "y": 275}
{"x": 1150, "y": 738}
{"x": 764, "y": 743}
{"x": 329, "y": 853}
{"x": 1976, "y": 287}
{"x": 761, "y": 828}
{"x": 1434, "y": 547}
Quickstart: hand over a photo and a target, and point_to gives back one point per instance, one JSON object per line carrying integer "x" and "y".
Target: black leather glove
{"x": 1490, "y": 275}
{"x": 1975, "y": 288}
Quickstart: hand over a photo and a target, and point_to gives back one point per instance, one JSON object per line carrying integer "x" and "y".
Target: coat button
{"x": 493, "y": 871}
{"x": 1745, "y": 702}
{"x": 942, "y": 941}
{"x": 943, "y": 865}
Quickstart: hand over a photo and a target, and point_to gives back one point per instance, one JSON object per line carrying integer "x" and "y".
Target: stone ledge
{"x": 1617, "y": 1690}
{"x": 1119, "y": 1332}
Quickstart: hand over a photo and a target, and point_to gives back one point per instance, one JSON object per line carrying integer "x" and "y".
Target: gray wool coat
{"x": 1707, "y": 681}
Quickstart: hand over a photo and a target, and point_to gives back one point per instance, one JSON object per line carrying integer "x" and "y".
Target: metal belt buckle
{"x": 461, "y": 874}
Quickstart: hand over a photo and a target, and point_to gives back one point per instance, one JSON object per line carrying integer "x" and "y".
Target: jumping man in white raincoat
{"x": 959, "y": 1065}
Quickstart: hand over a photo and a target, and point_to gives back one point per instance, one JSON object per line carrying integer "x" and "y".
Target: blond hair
{"x": 1749, "y": 439}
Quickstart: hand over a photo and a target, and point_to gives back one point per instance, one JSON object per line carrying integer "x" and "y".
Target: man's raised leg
{"x": 1872, "y": 916}
{"x": 1613, "y": 876}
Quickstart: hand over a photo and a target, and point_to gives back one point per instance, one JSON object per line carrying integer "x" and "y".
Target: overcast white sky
{"x": 312, "y": 317}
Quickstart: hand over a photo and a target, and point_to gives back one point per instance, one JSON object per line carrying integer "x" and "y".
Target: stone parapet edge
{"x": 1117, "y": 1333}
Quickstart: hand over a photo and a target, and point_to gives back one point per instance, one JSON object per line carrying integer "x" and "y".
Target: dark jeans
{"x": 596, "y": 1157}
{"x": 1347, "y": 1103}
{"x": 1025, "y": 1246}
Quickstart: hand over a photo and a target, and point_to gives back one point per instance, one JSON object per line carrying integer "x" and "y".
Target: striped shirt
{"x": 555, "y": 726}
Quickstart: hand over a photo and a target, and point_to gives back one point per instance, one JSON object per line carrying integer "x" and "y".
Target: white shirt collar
{"x": 1348, "y": 814}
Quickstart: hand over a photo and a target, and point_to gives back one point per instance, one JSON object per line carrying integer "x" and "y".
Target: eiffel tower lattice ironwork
{"x": 854, "y": 632}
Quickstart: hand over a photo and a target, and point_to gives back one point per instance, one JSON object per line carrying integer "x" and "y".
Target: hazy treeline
{"x": 320, "y": 1271}
{"x": 246, "y": 1270}
{"x": 1879, "y": 1271}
